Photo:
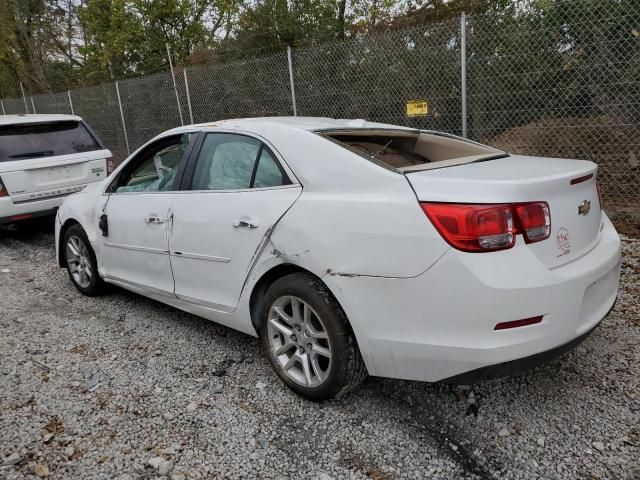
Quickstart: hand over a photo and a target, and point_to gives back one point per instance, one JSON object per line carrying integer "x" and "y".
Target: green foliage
{"x": 52, "y": 45}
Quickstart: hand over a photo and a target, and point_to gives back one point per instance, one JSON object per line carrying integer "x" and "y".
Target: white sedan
{"x": 354, "y": 248}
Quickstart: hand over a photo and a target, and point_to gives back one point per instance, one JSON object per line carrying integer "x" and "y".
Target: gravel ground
{"x": 124, "y": 387}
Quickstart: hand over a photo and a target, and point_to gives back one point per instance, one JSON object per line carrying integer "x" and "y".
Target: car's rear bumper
{"x": 15, "y": 212}
{"x": 11, "y": 212}
{"x": 28, "y": 216}
{"x": 517, "y": 366}
{"x": 440, "y": 325}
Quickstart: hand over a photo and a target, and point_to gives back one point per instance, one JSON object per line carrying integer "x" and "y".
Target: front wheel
{"x": 307, "y": 338}
{"x": 81, "y": 262}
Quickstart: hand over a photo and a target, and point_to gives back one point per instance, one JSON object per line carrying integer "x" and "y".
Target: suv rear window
{"x": 38, "y": 140}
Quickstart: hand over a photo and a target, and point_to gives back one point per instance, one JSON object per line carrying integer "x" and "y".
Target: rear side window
{"x": 38, "y": 140}
{"x": 268, "y": 173}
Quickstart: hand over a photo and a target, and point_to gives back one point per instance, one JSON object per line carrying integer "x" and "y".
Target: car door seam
{"x": 262, "y": 245}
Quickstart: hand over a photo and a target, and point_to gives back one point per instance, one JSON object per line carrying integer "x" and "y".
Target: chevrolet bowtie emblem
{"x": 584, "y": 208}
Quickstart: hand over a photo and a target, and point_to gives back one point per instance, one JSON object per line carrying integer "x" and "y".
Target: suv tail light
{"x": 489, "y": 227}
{"x": 111, "y": 165}
{"x": 3, "y": 190}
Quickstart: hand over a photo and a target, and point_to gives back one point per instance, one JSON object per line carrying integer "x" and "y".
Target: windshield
{"x": 36, "y": 140}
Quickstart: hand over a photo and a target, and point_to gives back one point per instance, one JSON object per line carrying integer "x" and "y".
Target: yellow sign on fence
{"x": 417, "y": 108}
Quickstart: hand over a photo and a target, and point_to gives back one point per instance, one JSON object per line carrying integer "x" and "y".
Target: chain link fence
{"x": 373, "y": 77}
{"x": 565, "y": 83}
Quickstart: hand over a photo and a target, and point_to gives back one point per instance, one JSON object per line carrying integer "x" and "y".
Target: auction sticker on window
{"x": 417, "y": 108}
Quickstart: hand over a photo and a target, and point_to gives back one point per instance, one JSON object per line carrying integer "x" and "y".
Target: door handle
{"x": 154, "y": 219}
{"x": 244, "y": 223}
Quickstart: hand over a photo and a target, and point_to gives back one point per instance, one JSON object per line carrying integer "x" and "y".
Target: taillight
{"x": 111, "y": 165}
{"x": 491, "y": 227}
{"x": 534, "y": 221}
{"x": 3, "y": 190}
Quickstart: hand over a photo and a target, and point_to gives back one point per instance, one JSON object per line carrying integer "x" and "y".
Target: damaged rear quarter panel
{"x": 382, "y": 234}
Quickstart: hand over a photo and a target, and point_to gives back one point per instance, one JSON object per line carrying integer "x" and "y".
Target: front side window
{"x": 235, "y": 162}
{"x": 156, "y": 167}
{"x": 25, "y": 141}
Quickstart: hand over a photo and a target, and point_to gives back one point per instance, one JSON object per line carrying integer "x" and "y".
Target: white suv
{"x": 44, "y": 158}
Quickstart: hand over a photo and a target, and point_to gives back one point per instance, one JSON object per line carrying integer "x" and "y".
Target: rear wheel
{"x": 307, "y": 338}
{"x": 81, "y": 263}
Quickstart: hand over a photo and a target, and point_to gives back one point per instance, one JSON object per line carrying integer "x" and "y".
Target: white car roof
{"x": 298, "y": 123}
{"x": 36, "y": 118}
{"x": 309, "y": 156}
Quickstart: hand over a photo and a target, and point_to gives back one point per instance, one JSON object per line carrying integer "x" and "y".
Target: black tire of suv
{"x": 347, "y": 370}
{"x": 97, "y": 285}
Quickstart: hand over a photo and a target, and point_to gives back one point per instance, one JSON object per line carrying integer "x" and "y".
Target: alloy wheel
{"x": 79, "y": 261}
{"x": 298, "y": 341}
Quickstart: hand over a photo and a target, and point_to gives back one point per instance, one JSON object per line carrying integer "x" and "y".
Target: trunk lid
{"x": 574, "y": 207}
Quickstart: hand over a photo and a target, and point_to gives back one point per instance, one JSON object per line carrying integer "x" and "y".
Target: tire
{"x": 323, "y": 330}
{"x": 83, "y": 267}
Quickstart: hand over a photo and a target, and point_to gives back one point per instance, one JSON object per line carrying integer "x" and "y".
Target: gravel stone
{"x": 262, "y": 441}
{"x": 12, "y": 459}
{"x": 155, "y": 462}
{"x": 165, "y": 467}
{"x": 113, "y": 421}
{"x": 41, "y": 470}
{"x": 386, "y": 430}
{"x": 324, "y": 476}
{"x": 237, "y": 357}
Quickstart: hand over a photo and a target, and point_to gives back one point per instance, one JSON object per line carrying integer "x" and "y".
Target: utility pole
{"x": 175, "y": 86}
{"x": 463, "y": 71}
{"x": 24, "y": 98}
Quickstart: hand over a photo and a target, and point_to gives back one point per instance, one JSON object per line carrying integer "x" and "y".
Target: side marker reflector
{"x": 518, "y": 323}
{"x": 584, "y": 178}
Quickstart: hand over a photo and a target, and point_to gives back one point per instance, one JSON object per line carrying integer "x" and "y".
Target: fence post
{"x": 186, "y": 86}
{"x": 70, "y": 102}
{"x": 463, "y": 71}
{"x": 124, "y": 125}
{"x": 293, "y": 86}
{"x": 33, "y": 105}
{"x": 24, "y": 99}
{"x": 4, "y": 112}
{"x": 175, "y": 86}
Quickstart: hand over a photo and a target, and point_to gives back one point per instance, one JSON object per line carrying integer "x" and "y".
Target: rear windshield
{"x": 411, "y": 150}
{"x": 37, "y": 140}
